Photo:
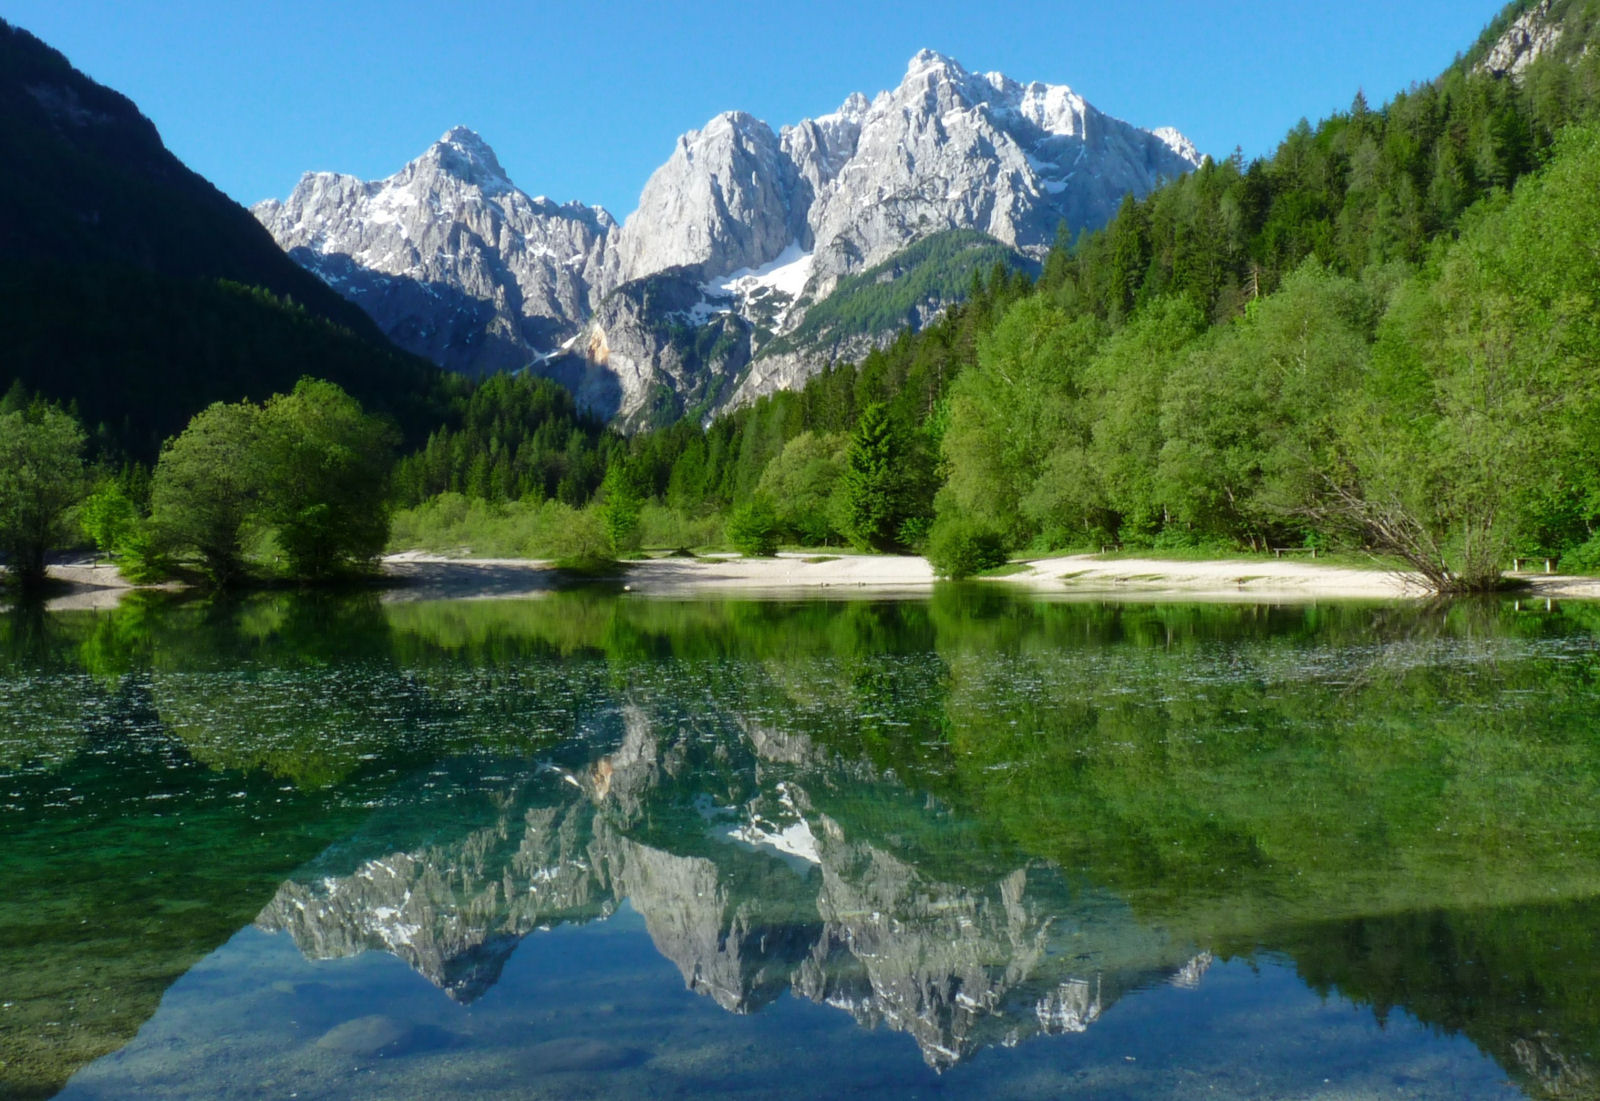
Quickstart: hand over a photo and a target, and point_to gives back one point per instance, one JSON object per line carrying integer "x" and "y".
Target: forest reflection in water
{"x": 972, "y": 820}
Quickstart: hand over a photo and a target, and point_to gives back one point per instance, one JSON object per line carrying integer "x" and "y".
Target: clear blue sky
{"x": 583, "y": 100}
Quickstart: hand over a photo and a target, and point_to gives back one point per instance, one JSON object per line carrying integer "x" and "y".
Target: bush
{"x": 675, "y": 529}
{"x": 453, "y": 524}
{"x": 578, "y": 540}
{"x": 753, "y": 528}
{"x": 1584, "y": 558}
{"x": 960, "y": 547}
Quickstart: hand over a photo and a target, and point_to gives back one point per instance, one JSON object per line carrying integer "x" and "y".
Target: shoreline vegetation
{"x": 421, "y": 576}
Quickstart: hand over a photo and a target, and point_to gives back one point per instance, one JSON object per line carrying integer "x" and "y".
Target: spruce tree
{"x": 872, "y": 481}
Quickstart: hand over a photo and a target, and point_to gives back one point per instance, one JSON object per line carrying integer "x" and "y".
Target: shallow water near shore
{"x": 969, "y": 845}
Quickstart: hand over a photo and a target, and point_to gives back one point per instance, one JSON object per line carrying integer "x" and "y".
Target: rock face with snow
{"x": 949, "y": 149}
{"x": 456, "y": 263}
{"x": 449, "y": 258}
{"x": 654, "y": 350}
{"x": 726, "y": 199}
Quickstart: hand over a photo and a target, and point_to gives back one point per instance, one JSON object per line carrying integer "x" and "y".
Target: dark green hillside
{"x": 124, "y": 274}
{"x": 88, "y": 181}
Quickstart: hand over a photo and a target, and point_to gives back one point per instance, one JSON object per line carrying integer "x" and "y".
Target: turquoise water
{"x": 595, "y": 846}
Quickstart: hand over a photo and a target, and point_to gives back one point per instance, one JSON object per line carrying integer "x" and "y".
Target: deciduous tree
{"x": 41, "y": 478}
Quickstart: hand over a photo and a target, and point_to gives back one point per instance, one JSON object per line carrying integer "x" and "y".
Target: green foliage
{"x": 1476, "y": 438}
{"x": 41, "y": 479}
{"x": 207, "y": 483}
{"x": 110, "y": 517}
{"x": 513, "y": 436}
{"x": 309, "y": 464}
{"x": 668, "y": 528}
{"x": 579, "y": 541}
{"x": 144, "y": 353}
{"x": 453, "y": 523}
{"x": 325, "y": 469}
{"x": 753, "y": 527}
{"x": 620, "y": 502}
{"x": 1018, "y": 427}
{"x": 960, "y": 546}
{"x": 1248, "y": 418}
{"x": 804, "y": 484}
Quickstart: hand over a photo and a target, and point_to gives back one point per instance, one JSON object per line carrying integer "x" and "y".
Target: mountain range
{"x": 698, "y": 301}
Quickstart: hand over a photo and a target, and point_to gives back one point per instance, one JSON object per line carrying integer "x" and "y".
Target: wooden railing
{"x": 1549, "y": 561}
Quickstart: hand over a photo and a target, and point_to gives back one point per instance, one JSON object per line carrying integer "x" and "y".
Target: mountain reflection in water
{"x": 973, "y": 820}
{"x": 751, "y": 891}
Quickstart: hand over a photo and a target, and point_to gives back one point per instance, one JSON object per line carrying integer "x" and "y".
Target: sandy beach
{"x": 415, "y": 575}
{"x": 822, "y": 573}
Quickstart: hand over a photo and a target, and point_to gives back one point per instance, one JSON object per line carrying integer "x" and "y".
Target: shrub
{"x": 753, "y": 528}
{"x": 961, "y": 546}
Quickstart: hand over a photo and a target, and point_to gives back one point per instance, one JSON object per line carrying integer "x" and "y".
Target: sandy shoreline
{"x": 416, "y": 575}
{"x": 843, "y": 574}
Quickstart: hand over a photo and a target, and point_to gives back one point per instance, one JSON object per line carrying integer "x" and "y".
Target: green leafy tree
{"x": 1018, "y": 427}
{"x": 41, "y": 479}
{"x": 208, "y": 482}
{"x": 325, "y": 467}
{"x": 1476, "y": 434}
{"x": 1248, "y": 418}
{"x": 110, "y": 517}
{"x": 960, "y": 546}
{"x": 804, "y": 484}
{"x": 1126, "y": 379}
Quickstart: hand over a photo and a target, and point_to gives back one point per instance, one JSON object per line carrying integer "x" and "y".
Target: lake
{"x": 977, "y": 845}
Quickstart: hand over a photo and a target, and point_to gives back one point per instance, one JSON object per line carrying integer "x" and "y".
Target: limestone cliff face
{"x": 772, "y": 226}
{"x": 736, "y": 236}
{"x": 725, "y": 199}
{"x": 451, "y": 260}
{"x": 1524, "y": 42}
{"x": 653, "y": 351}
{"x": 949, "y": 149}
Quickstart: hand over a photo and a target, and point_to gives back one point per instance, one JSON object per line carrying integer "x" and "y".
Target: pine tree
{"x": 872, "y": 481}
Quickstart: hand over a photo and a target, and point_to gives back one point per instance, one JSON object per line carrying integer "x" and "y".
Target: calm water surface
{"x": 979, "y": 845}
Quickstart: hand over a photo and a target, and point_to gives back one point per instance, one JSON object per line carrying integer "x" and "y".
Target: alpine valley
{"x": 754, "y": 258}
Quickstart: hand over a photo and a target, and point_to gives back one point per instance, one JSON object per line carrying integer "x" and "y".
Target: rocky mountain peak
{"x": 943, "y": 84}
{"x": 463, "y": 155}
{"x": 448, "y": 256}
{"x": 723, "y": 201}
{"x": 741, "y": 228}
{"x": 1174, "y": 140}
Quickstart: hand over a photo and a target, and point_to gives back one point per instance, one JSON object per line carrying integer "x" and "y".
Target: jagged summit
{"x": 453, "y": 261}
{"x": 464, "y": 154}
{"x": 751, "y": 228}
